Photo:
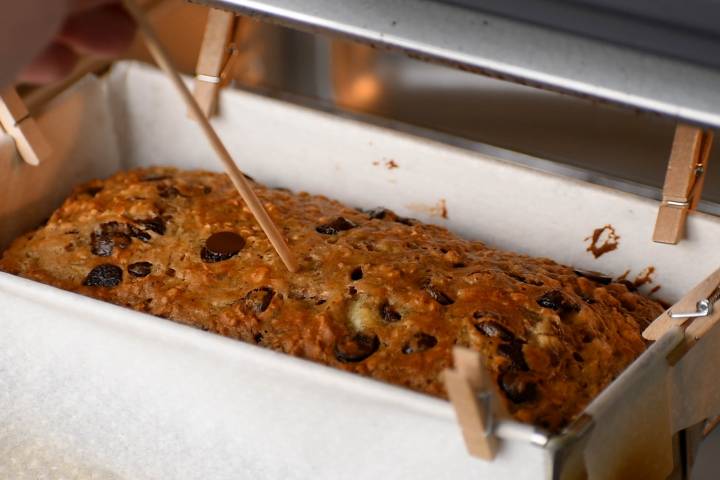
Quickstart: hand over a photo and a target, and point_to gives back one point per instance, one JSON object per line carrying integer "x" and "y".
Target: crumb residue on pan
{"x": 602, "y": 241}
{"x": 623, "y": 277}
{"x": 443, "y": 208}
{"x": 390, "y": 164}
{"x": 644, "y": 277}
{"x": 438, "y": 210}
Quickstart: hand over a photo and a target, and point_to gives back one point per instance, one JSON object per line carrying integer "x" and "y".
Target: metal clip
{"x": 703, "y": 317}
{"x": 484, "y": 400}
{"x": 208, "y": 78}
{"x": 704, "y": 307}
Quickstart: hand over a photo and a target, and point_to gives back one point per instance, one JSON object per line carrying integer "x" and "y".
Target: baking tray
{"x": 91, "y": 390}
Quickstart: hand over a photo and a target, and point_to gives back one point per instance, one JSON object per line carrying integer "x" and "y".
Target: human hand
{"x": 42, "y": 40}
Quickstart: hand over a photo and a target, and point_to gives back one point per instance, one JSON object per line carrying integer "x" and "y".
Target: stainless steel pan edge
{"x": 506, "y": 49}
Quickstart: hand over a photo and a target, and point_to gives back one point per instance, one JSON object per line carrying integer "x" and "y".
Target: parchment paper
{"x": 89, "y": 390}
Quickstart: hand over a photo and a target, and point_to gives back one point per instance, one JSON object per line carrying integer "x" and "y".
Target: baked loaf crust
{"x": 377, "y": 294}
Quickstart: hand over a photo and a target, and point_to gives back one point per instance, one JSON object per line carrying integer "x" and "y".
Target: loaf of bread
{"x": 377, "y": 294}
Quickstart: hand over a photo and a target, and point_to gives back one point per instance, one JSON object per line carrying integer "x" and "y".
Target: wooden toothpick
{"x": 162, "y": 58}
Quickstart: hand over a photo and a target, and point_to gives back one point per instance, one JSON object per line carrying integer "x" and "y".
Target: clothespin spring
{"x": 704, "y": 307}
{"x": 223, "y": 77}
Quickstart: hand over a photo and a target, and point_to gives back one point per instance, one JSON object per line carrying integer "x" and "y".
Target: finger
{"x": 105, "y": 31}
{"x": 24, "y": 33}
{"x": 55, "y": 63}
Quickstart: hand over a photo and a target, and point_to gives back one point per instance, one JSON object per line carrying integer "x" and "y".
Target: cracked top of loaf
{"x": 377, "y": 294}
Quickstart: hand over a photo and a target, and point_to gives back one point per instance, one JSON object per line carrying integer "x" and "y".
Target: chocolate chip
{"x": 420, "y": 342}
{"x": 513, "y": 351}
{"x": 167, "y": 191}
{"x": 356, "y": 274}
{"x": 556, "y": 300}
{"x": 438, "y": 296}
{"x": 258, "y": 338}
{"x": 524, "y": 279}
{"x": 459, "y": 265}
{"x": 378, "y": 213}
{"x": 578, "y": 357}
{"x": 101, "y": 245}
{"x": 156, "y": 225}
{"x": 588, "y": 299}
{"x": 207, "y": 190}
{"x": 140, "y": 269}
{"x": 108, "y": 236}
{"x": 221, "y": 246}
{"x": 135, "y": 232}
{"x": 388, "y": 314}
{"x": 356, "y": 348}
{"x": 338, "y": 225}
{"x": 258, "y": 300}
{"x": 105, "y": 275}
{"x": 493, "y": 329}
{"x": 170, "y": 272}
{"x": 517, "y": 389}
{"x": 352, "y": 290}
{"x": 93, "y": 191}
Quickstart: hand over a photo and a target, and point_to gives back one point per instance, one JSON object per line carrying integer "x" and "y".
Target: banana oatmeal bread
{"x": 377, "y": 294}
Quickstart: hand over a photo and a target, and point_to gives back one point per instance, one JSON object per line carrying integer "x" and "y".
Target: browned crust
{"x": 553, "y": 339}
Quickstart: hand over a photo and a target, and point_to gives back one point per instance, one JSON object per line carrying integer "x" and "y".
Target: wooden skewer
{"x": 246, "y": 192}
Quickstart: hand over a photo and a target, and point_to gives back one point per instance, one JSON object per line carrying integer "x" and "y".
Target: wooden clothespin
{"x": 216, "y": 55}
{"x": 697, "y": 312}
{"x": 15, "y": 119}
{"x": 476, "y": 402}
{"x": 683, "y": 182}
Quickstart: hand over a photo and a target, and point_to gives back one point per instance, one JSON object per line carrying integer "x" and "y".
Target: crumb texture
{"x": 377, "y": 294}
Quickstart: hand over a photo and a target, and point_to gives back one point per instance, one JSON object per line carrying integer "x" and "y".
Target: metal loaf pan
{"x": 91, "y": 390}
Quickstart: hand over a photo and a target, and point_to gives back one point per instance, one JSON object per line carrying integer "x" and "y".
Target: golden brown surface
{"x": 377, "y": 294}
